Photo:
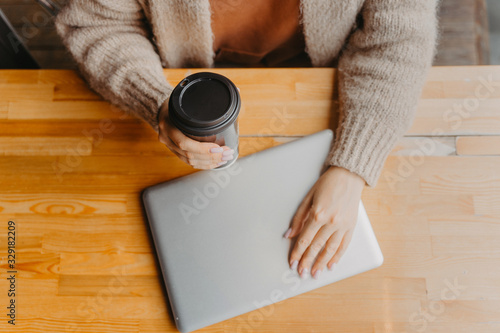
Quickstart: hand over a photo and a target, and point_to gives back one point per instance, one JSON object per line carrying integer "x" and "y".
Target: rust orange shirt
{"x": 258, "y": 33}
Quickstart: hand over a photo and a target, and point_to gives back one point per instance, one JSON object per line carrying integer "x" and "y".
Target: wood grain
{"x": 85, "y": 260}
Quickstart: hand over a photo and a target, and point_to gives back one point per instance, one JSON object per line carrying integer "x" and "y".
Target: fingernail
{"x": 227, "y": 158}
{"x": 317, "y": 273}
{"x": 288, "y": 232}
{"x": 227, "y": 152}
{"x": 221, "y": 163}
{"x": 304, "y": 273}
{"x": 216, "y": 150}
{"x": 331, "y": 267}
{"x": 295, "y": 263}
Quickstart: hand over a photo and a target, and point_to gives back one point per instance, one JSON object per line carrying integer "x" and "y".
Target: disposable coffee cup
{"x": 205, "y": 107}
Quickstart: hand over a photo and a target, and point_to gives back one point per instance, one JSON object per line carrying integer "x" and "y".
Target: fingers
{"x": 304, "y": 240}
{"x": 195, "y": 159}
{"x": 200, "y": 155}
{"x": 342, "y": 248}
{"x": 187, "y": 144}
{"x": 320, "y": 244}
{"x": 203, "y": 165}
{"x": 324, "y": 239}
{"x": 330, "y": 249}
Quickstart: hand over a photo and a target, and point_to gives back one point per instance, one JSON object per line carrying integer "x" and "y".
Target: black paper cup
{"x": 205, "y": 107}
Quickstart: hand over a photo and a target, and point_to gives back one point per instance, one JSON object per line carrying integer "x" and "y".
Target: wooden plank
{"x": 422, "y": 205}
{"x": 472, "y": 288}
{"x": 478, "y": 145}
{"x": 64, "y": 110}
{"x": 68, "y": 85}
{"x": 487, "y": 204}
{"x": 465, "y": 245}
{"x": 90, "y": 183}
{"x": 443, "y": 175}
{"x": 44, "y": 146}
{"x": 4, "y": 110}
{"x": 166, "y": 325}
{"x": 463, "y": 73}
{"x": 113, "y": 308}
{"x": 282, "y": 118}
{"x": 31, "y": 244}
{"x": 35, "y": 225}
{"x": 77, "y": 242}
{"x": 19, "y": 76}
{"x": 56, "y": 204}
{"x": 256, "y": 322}
{"x": 393, "y": 226}
{"x": 36, "y": 265}
{"x": 127, "y": 130}
{"x": 279, "y": 78}
{"x": 42, "y": 285}
{"x": 449, "y": 183}
{"x": 436, "y": 117}
{"x": 420, "y": 323}
{"x": 84, "y": 285}
{"x": 433, "y": 146}
{"x": 116, "y": 263}
{"x": 35, "y": 93}
{"x": 86, "y": 321}
{"x": 475, "y": 225}
{"x": 127, "y": 164}
{"x": 387, "y": 184}
{"x": 432, "y": 266}
{"x": 369, "y": 310}
{"x": 315, "y": 91}
{"x": 163, "y": 163}
{"x": 432, "y": 89}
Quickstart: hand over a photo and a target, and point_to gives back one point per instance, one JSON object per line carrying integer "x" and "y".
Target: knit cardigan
{"x": 382, "y": 49}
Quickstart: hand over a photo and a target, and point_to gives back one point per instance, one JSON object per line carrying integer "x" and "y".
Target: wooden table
{"x": 72, "y": 169}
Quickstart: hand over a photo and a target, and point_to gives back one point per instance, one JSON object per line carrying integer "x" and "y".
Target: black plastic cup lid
{"x": 204, "y": 104}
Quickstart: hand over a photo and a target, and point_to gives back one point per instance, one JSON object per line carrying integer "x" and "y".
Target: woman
{"x": 382, "y": 49}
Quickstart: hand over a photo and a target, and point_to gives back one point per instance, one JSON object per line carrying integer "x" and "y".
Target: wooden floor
{"x": 463, "y": 33}
{"x": 85, "y": 263}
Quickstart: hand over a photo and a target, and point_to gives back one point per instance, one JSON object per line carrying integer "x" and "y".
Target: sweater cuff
{"x": 361, "y": 146}
{"x": 147, "y": 92}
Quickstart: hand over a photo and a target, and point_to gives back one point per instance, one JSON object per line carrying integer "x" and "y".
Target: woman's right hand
{"x": 200, "y": 155}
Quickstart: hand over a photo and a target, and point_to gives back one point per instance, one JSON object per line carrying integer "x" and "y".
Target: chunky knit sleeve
{"x": 382, "y": 70}
{"x": 109, "y": 39}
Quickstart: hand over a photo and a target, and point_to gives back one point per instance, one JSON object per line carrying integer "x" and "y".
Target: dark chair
{"x": 464, "y": 33}
{"x": 50, "y": 6}
{"x": 13, "y": 52}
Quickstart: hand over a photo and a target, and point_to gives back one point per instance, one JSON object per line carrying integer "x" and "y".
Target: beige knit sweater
{"x": 383, "y": 49}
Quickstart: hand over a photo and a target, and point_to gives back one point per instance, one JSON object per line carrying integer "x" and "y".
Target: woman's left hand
{"x": 325, "y": 221}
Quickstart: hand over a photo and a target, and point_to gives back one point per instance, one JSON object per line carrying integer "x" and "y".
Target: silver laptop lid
{"x": 219, "y": 234}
